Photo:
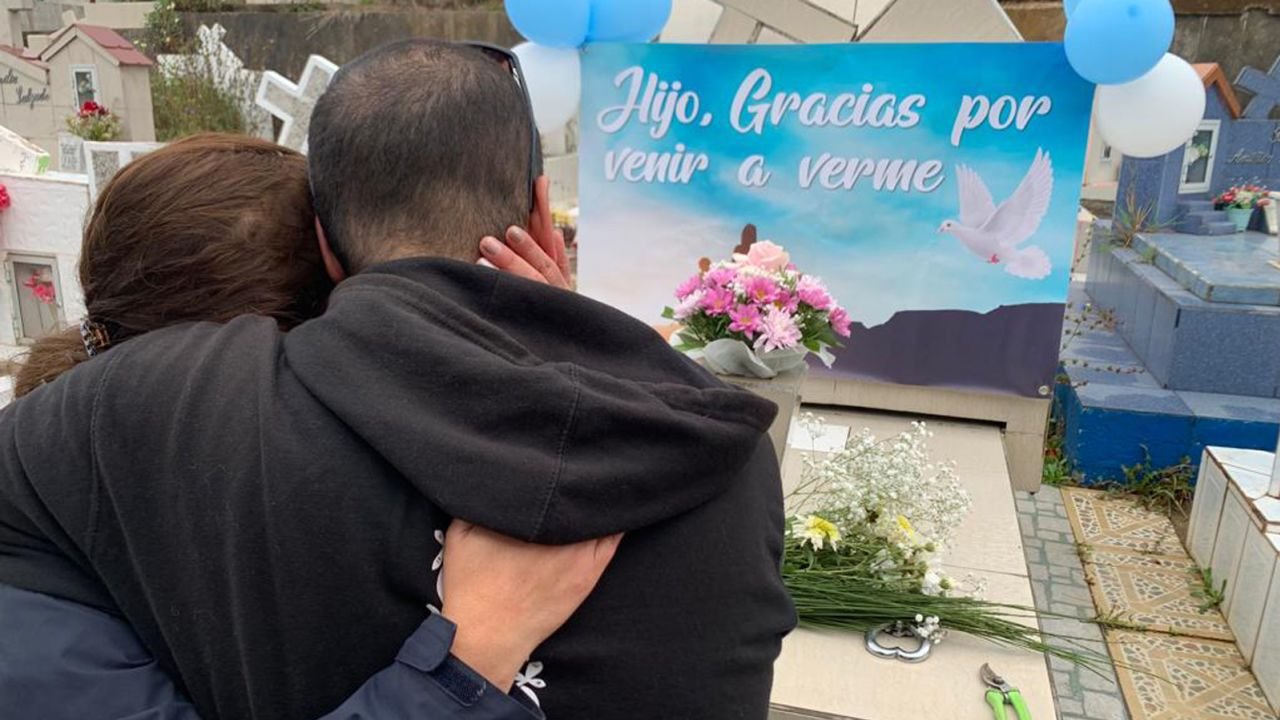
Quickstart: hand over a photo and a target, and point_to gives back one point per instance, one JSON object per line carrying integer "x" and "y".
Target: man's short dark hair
{"x": 419, "y": 146}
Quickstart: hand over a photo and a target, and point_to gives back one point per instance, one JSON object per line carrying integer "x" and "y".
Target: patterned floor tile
{"x": 1178, "y": 678}
{"x": 1154, "y": 591}
{"x": 1103, "y": 521}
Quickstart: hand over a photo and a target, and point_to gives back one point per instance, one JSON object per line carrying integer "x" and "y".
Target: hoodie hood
{"x": 557, "y": 418}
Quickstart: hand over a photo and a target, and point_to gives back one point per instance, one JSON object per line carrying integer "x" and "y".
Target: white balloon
{"x": 554, "y": 77}
{"x": 1155, "y": 114}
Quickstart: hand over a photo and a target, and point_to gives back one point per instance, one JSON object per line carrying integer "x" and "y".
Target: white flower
{"x": 817, "y": 532}
{"x": 889, "y": 493}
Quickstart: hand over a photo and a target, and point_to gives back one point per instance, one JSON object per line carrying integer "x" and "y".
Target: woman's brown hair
{"x": 204, "y": 229}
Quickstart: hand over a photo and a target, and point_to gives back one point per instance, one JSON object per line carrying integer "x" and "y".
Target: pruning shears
{"x": 1000, "y": 693}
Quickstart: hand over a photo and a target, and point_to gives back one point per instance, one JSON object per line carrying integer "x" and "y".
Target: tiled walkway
{"x": 1059, "y": 585}
{"x": 1176, "y": 663}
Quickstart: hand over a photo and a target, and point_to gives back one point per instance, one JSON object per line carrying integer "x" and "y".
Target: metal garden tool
{"x": 1002, "y": 693}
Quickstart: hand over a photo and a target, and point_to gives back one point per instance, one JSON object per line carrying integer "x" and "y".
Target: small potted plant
{"x": 94, "y": 122}
{"x": 1240, "y": 201}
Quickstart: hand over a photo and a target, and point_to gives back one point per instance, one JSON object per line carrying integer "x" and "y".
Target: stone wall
{"x": 281, "y": 41}
{"x": 1232, "y": 33}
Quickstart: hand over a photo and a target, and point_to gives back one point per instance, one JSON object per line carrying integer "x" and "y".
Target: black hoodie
{"x": 262, "y": 508}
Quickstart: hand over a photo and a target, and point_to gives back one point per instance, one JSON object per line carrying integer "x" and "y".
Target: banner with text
{"x": 934, "y": 188}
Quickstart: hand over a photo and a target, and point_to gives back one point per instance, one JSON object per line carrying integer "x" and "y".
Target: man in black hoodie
{"x": 261, "y": 506}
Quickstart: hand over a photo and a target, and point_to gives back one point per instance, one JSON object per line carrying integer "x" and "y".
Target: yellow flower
{"x": 905, "y": 524}
{"x": 819, "y": 532}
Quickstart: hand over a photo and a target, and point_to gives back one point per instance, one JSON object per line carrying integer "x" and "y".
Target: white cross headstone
{"x": 292, "y": 103}
{"x": 215, "y": 60}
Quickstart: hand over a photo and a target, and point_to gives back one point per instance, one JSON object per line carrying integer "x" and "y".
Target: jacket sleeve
{"x": 60, "y": 660}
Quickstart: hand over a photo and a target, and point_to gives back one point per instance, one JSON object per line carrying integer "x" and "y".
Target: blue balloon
{"x": 1115, "y": 41}
{"x": 1069, "y": 6}
{"x": 555, "y": 23}
{"x": 627, "y": 20}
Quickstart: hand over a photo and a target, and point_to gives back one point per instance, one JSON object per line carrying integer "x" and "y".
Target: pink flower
{"x": 689, "y": 305}
{"x": 746, "y": 320}
{"x": 812, "y": 293}
{"x": 777, "y": 331}
{"x": 765, "y": 255}
{"x": 761, "y": 290}
{"x": 839, "y": 320}
{"x": 688, "y": 287}
{"x": 718, "y": 301}
{"x": 788, "y": 301}
{"x": 720, "y": 277}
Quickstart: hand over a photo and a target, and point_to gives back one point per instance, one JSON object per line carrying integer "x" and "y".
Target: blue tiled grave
{"x": 1185, "y": 342}
{"x": 1115, "y": 412}
{"x": 1231, "y": 269}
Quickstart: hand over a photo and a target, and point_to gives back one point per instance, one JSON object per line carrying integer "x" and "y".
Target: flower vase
{"x": 784, "y": 391}
{"x": 1241, "y": 217}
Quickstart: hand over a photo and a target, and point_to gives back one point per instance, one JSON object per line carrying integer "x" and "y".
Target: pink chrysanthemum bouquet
{"x": 757, "y": 315}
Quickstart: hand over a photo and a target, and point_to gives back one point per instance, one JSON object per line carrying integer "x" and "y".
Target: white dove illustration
{"x": 995, "y": 233}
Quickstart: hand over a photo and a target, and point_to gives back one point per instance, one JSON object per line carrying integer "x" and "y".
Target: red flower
{"x": 93, "y": 109}
{"x": 5, "y": 202}
{"x": 41, "y": 288}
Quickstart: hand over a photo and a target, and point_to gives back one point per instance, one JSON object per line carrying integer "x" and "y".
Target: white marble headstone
{"x": 102, "y": 160}
{"x": 293, "y": 102}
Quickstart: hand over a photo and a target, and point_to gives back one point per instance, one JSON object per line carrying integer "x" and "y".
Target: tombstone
{"x": 1265, "y": 88}
{"x": 102, "y": 160}
{"x": 1229, "y": 148}
{"x": 18, "y": 155}
{"x": 227, "y": 71}
{"x": 293, "y": 103}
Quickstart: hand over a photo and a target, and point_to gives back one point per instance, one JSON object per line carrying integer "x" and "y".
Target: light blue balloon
{"x": 555, "y": 23}
{"x": 1069, "y": 6}
{"x": 1114, "y": 41}
{"x": 627, "y": 20}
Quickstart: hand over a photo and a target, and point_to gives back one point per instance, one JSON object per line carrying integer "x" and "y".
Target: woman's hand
{"x": 507, "y": 596}
{"x": 536, "y": 254}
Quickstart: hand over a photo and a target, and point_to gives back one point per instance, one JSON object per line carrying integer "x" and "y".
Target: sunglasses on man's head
{"x": 511, "y": 63}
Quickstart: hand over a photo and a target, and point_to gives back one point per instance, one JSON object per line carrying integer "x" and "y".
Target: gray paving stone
{"x": 1067, "y": 705}
{"x": 1062, "y": 681}
{"x": 1053, "y": 536}
{"x": 1040, "y": 594}
{"x": 1100, "y": 706}
{"x": 1061, "y": 553}
{"x": 1039, "y": 572}
{"x": 1093, "y": 681}
{"x": 1065, "y": 608}
{"x": 1054, "y": 523}
{"x": 1060, "y": 571}
{"x": 1071, "y": 593}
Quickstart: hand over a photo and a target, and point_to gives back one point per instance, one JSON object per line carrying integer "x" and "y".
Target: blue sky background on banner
{"x": 879, "y": 251}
